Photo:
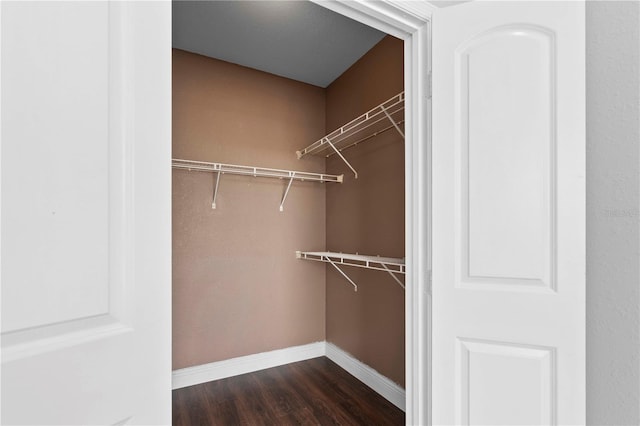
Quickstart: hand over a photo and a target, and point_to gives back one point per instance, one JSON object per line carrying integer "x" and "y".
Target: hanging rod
{"x": 220, "y": 168}
{"x": 388, "y": 264}
{"x": 364, "y": 127}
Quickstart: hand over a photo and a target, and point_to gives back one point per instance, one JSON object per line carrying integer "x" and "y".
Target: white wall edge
{"x": 245, "y": 364}
{"x": 198, "y": 374}
{"x": 389, "y": 390}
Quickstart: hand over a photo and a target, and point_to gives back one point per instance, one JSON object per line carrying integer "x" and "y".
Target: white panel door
{"x": 85, "y": 204}
{"x": 509, "y": 214}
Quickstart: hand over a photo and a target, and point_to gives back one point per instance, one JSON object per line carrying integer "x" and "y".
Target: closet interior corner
{"x": 288, "y": 195}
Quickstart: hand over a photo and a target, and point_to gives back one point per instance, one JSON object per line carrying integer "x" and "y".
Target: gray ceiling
{"x": 294, "y": 39}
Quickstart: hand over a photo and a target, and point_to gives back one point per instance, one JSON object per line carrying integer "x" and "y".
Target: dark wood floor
{"x": 313, "y": 392}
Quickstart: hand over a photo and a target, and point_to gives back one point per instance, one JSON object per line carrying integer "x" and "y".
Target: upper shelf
{"x": 234, "y": 169}
{"x": 386, "y": 116}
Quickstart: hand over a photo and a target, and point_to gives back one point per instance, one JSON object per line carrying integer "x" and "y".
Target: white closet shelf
{"x": 220, "y": 169}
{"x": 391, "y": 265}
{"x": 235, "y": 169}
{"x": 386, "y": 116}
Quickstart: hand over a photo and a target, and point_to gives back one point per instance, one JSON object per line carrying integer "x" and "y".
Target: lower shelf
{"x": 391, "y": 265}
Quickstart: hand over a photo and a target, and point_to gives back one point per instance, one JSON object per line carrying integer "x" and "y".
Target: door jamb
{"x": 411, "y": 22}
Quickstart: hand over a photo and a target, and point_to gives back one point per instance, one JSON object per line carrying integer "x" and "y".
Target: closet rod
{"x": 235, "y": 169}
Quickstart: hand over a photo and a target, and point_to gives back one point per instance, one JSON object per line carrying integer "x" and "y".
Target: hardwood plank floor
{"x": 312, "y": 392}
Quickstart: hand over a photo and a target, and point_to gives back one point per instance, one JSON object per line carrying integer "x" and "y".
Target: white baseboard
{"x": 391, "y": 391}
{"x": 246, "y": 364}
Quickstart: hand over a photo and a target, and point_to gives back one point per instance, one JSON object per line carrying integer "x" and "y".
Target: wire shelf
{"x": 235, "y": 169}
{"x": 366, "y": 126}
{"x": 388, "y": 264}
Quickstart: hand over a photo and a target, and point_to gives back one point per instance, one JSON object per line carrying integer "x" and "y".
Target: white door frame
{"x": 410, "y": 21}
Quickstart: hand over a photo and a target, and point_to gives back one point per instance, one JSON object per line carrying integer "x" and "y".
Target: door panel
{"x": 85, "y": 213}
{"x": 508, "y": 213}
{"x": 494, "y": 373}
{"x": 508, "y": 148}
{"x": 55, "y": 196}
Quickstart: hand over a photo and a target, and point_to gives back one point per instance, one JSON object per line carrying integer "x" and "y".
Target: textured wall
{"x": 613, "y": 215}
{"x": 366, "y": 215}
{"x": 237, "y": 286}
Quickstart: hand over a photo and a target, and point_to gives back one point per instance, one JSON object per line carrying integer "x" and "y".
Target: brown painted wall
{"x": 237, "y": 287}
{"x": 366, "y": 215}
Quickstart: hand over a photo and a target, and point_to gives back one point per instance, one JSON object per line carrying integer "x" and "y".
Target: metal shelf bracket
{"x": 355, "y": 287}
{"x": 342, "y": 157}
{"x": 215, "y": 191}
{"x": 392, "y": 121}
{"x": 284, "y": 197}
{"x": 393, "y": 276}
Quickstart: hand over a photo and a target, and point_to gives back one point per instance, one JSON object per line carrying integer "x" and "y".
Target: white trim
{"x": 1, "y": 381}
{"x": 392, "y": 22}
{"x": 245, "y": 364}
{"x": 391, "y": 391}
{"x": 418, "y": 232}
{"x": 410, "y": 22}
{"x": 400, "y": 19}
{"x": 204, "y": 373}
{"x": 420, "y": 10}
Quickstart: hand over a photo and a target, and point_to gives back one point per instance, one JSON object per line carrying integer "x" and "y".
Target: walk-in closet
{"x": 288, "y": 196}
